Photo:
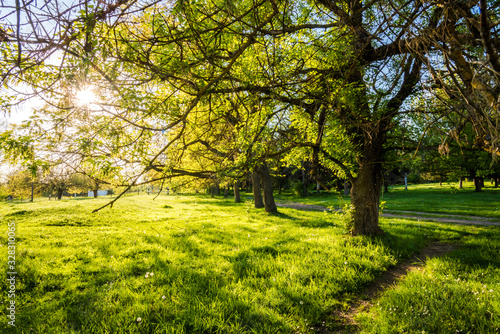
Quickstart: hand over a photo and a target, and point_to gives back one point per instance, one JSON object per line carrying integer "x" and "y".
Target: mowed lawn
{"x": 428, "y": 197}
{"x": 195, "y": 264}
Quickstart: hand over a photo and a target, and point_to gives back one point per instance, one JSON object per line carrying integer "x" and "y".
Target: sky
{"x": 20, "y": 113}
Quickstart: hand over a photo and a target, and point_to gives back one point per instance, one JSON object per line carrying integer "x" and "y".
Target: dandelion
{"x": 139, "y": 319}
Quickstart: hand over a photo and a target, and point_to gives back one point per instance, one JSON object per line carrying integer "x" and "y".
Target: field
{"x": 195, "y": 264}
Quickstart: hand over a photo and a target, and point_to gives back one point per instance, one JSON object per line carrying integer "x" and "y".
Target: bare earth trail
{"x": 345, "y": 320}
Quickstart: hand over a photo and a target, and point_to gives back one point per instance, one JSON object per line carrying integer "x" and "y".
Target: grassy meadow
{"x": 195, "y": 264}
{"x": 429, "y": 197}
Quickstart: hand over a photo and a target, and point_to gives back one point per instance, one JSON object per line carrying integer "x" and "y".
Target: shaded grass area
{"x": 457, "y": 293}
{"x": 430, "y": 197}
{"x": 193, "y": 264}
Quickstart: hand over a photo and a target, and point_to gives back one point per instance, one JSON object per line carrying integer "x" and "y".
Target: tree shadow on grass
{"x": 214, "y": 201}
{"x": 106, "y": 301}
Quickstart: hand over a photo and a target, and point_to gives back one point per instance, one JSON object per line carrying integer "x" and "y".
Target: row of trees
{"x": 55, "y": 182}
{"x": 212, "y": 89}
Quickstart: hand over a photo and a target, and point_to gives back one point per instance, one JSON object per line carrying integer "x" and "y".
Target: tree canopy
{"x": 212, "y": 88}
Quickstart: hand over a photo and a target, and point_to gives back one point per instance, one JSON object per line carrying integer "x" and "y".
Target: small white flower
{"x": 139, "y": 319}
{"x": 151, "y": 274}
{"x": 146, "y": 275}
{"x": 301, "y": 302}
{"x": 345, "y": 262}
{"x": 163, "y": 297}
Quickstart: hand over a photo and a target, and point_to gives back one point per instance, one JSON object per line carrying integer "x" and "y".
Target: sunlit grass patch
{"x": 193, "y": 264}
{"x": 183, "y": 264}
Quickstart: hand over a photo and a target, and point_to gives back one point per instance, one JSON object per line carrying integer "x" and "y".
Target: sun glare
{"x": 85, "y": 96}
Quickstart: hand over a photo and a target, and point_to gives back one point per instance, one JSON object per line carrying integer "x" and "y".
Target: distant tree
{"x": 21, "y": 183}
{"x": 57, "y": 180}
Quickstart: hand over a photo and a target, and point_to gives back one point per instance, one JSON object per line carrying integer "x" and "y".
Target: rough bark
{"x": 96, "y": 188}
{"x": 478, "y": 183}
{"x": 366, "y": 189}
{"x": 59, "y": 193}
{"x": 256, "y": 187}
{"x": 304, "y": 181}
{"x": 267, "y": 188}
{"x": 346, "y": 188}
{"x": 237, "y": 197}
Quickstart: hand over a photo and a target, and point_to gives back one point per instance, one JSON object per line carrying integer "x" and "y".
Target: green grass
{"x": 430, "y": 198}
{"x": 193, "y": 264}
{"x": 458, "y": 293}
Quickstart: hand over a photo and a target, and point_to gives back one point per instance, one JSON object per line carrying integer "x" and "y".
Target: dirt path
{"x": 345, "y": 319}
{"x": 437, "y": 217}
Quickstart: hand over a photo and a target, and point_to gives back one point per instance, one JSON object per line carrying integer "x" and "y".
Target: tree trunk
{"x": 365, "y": 193}
{"x": 267, "y": 188}
{"x": 496, "y": 182}
{"x": 225, "y": 191}
{"x": 478, "y": 184}
{"x": 59, "y": 193}
{"x": 96, "y": 188}
{"x": 304, "y": 180}
{"x": 460, "y": 183}
{"x": 346, "y": 188}
{"x": 385, "y": 181}
{"x": 256, "y": 184}
{"x": 237, "y": 198}
{"x": 32, "y": 190}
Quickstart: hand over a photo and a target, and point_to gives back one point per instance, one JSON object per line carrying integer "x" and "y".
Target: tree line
{"x": 216, "y": 90}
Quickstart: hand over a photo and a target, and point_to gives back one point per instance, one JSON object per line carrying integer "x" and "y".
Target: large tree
{"x": 244, "y": 82}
